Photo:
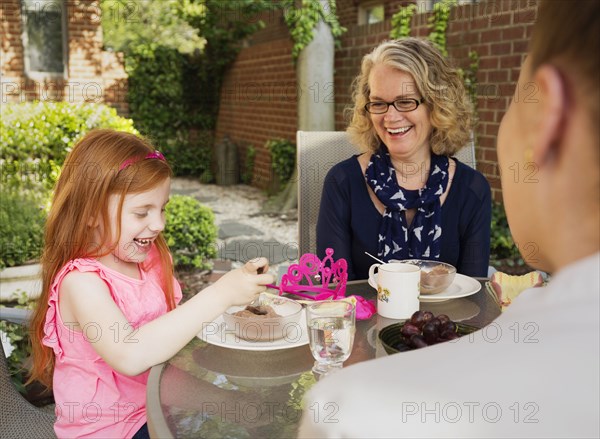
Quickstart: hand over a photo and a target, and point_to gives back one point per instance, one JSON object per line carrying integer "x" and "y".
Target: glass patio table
{"x": 214, "y": 391}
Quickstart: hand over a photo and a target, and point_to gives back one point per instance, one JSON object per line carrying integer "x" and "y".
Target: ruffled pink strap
{"x": 51, "y": 330}
{"x": 51, "y": 325}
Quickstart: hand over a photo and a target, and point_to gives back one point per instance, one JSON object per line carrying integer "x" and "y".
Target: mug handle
{"x": 372, "y": 279}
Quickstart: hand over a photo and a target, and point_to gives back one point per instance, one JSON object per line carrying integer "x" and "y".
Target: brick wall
{"x": 498, "y": 30}
{"x": 93, "y": 75}
{"x": 259, "y": 96}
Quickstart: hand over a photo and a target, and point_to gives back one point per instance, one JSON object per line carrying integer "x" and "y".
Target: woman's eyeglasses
{"x": 402, "y": 105}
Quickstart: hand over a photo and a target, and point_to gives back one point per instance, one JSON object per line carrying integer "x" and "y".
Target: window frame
{"x": 363, "y": 8}
{"x": 41, "y": 74}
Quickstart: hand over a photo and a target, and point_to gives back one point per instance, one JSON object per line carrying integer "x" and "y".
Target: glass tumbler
{"x": 331, "y": 327}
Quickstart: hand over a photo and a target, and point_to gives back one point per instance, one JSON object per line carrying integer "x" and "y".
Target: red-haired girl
{"x": 108, "y": 311}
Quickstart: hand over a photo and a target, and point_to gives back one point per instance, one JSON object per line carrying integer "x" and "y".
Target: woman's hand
{"x": 244, "y": 284}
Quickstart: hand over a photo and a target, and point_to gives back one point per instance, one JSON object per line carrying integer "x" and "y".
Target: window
{"x": 44, "y": 37}
{"x": 370, "y": 13}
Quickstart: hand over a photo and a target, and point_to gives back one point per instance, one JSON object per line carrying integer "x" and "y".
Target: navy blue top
{"x": 349, "y": 221}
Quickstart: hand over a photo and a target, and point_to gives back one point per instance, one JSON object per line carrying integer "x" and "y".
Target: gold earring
{"x": 528, "y": 155}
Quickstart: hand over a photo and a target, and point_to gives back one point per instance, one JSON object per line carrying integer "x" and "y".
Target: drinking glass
{"x": 331, "y": 327}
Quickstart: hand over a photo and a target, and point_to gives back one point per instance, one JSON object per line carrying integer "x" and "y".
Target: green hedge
{"x": 162, "y": 107}
{"x": 190, "y": 232}
{"x": 283, "y": 158}
{"x": 35, "y": 138}
{"x": 34, "y": 141}
{"x": 502, "y": 247}
{"x": 21, "y": 229}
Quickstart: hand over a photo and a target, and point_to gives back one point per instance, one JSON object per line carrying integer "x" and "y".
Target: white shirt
{"x": 533, "y": 372}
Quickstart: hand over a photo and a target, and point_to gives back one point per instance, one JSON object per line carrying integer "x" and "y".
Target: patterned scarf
{"x": 422, "y": 239}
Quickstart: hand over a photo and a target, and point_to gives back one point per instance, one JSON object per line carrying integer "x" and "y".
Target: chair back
{"x": 466, "y": 154}
{"x": 19, "y": 418}
{"x": 317, "y": 152}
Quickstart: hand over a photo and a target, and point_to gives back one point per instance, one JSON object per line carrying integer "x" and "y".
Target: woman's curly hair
{"x": 439, "y": 84}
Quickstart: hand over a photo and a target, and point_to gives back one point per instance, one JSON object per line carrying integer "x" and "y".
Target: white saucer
{"x": 461, "y": 286}
{"x": 216, "y": 333}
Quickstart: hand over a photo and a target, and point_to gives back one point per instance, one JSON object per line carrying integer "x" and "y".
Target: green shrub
{"x": 502, "y": 246}
{"x": 248, "y": 173}
{"x": 283, "y": 158}
{"x": 193, "y": 158}
{"x": 21, "y": 229}
{"x": 159, "y": 102}
{"x": 35, "y": 138}
{"x": 190, "y": 232}
{"x": 18, "y": 336}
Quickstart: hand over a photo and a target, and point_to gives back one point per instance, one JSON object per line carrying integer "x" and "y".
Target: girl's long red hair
{"x": 90, "y": 175}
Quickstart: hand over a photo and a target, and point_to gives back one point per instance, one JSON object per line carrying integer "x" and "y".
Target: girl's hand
{"x": 243, "y": 285}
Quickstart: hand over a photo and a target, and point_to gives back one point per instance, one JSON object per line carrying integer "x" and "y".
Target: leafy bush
{"x": 190, "y": 232}
{"x": 162, "y": 109}
{"x": 283, "y": 157}
{"x": 156, "y": 99}
{"x": 35, "y": 138}
{"x": 248, "y": 173}
{"x": 21, "y": 229}
{"x": 502, "y": 246}
{"x": 17, "y": 336}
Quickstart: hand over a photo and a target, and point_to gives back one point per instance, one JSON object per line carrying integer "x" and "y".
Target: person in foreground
{"x": 535, "y": 373}
{"x": 107, "y": 311}
{"x": 405, "y": 197}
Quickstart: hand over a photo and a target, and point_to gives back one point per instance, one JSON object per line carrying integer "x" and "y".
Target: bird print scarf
{"x": 396, "y": 239}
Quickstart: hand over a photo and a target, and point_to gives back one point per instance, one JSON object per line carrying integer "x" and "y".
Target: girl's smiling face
{"x": 406, "y": 134}
{"x": 142, "y": 219}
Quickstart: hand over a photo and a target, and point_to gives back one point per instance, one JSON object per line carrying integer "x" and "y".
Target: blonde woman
{"x": 406, "y": 196}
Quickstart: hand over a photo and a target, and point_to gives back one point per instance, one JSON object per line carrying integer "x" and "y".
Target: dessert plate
{"x": 461, "y": 286}
{"x": 216, "y": 333}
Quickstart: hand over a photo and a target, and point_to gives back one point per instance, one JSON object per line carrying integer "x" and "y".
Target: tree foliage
{"x": 128, "y": 24}
{"x": 303, "y": 16}
{"x": 176, "y": 55}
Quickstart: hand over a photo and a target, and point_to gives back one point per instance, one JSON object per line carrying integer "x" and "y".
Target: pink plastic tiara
{"x": 311, "y": 275}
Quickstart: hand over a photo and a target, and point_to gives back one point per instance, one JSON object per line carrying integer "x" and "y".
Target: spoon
{"x": 378, "y": 260}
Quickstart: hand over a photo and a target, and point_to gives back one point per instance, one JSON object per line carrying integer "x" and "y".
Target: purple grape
{"x": 417, "y": 319}
{"x": 430, "y": 332}
{"x": 409, "y": 329}
{"x": 427, "y": 316}
{"x": 448, "y": 326}
{"x": 449, "y": 335}
{"x": 435, "y": 321}
{"x": 443, "y": 318}
{"x": 418, "y": 342}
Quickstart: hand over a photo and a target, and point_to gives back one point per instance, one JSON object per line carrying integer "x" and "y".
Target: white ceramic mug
{"x": 397, "y": 286}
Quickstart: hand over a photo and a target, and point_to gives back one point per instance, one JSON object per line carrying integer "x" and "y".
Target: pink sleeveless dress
{"x": 92, "y": 399}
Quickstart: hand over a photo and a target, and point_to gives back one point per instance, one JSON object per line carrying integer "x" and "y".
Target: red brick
{"x": 502, "y": 48}
{"x": 498, "y": 76}
{"x": 486, "y": 63}
{"x": 524, "y": 15}
{"x": 510, "y": 61}
{"x": 513, "y": 33}
{"x": 500, "y": 19}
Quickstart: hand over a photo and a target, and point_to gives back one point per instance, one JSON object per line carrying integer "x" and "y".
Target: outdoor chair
{"x": 317, "y": 152}
{"x": 19, "y": 418}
